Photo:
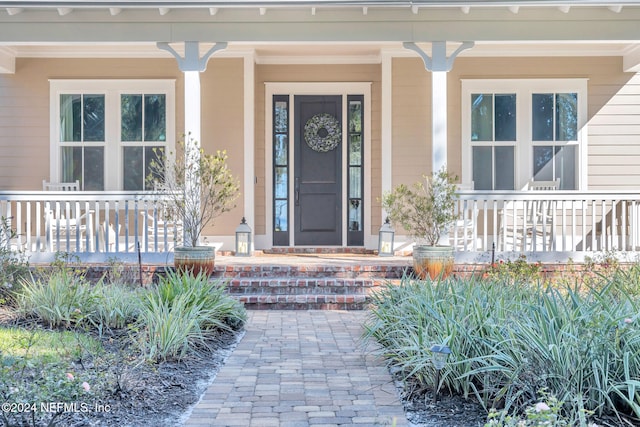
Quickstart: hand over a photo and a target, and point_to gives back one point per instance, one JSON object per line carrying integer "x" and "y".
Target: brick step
{"x": 300, "y": 286}
{"x": 298, "y": 293}
{"x": 304, "y": 302}
{"x": 312, "y": 271}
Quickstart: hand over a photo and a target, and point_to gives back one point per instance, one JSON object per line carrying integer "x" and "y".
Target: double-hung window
{"x": 106, "y": 133}
{"x": 515, "y": 131}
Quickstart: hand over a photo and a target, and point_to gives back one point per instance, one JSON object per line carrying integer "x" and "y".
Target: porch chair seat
{"x": 59, "y": 229}
{"x": 60, "y": 186}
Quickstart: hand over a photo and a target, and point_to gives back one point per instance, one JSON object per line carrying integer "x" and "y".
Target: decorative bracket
{"x": 192, "y": 60}
{"x": 438, "y": 60}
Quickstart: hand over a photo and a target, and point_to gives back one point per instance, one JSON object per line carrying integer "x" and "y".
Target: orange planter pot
{"x": 432, "y": 261}
{"x": 198, "y": 259}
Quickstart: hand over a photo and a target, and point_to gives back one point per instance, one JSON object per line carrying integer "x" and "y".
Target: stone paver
{"x": 301, "y": 368}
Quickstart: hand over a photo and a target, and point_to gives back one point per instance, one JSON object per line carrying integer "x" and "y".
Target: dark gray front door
{"x": 318, "y": 170}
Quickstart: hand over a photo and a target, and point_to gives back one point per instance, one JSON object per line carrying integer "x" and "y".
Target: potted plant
{"x": 426, "y": 211}
{"x": 198, "y": 187}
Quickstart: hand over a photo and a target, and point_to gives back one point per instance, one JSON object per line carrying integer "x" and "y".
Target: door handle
{"x": 297, "y": 191}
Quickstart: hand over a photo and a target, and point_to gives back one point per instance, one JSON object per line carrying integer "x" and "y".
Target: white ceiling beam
{"x": 465, "y": 9}
{"x": 564, "y": 8}
{"x": 14, "y": 10}
{"x": 213, "y": 11}
{"x": 616, "y": 8}
{"x": 62, "y": 11}
{"x": 631, "y": 60}
{"x": 7, "y": 61}
{"x": 263, "y": 11}
{"x": 115, "y": 11}
{"x": 415, "y": 9}
{"x": 514, "y": 9}
{"x": 164, "y": 10}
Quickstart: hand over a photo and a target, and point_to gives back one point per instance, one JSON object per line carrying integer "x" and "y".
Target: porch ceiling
{"x": 340, "y": 31}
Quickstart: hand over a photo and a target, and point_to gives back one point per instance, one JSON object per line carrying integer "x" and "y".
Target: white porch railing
{"x": 571, "y": 222}
{"x": 84, "y": 222}
{"x": 103, "y": 224}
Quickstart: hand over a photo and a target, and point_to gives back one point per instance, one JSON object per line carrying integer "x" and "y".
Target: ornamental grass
{"x": 510, "y": 340}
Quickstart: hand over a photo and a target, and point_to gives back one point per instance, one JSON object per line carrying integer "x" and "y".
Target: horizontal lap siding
{"x": 24, "y": 109}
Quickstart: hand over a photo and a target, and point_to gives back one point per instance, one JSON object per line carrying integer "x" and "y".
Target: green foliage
{"x": 509, "y": 341}
{"x": 182, "y": 174}
{"x": 14, "y": 264}
{"x": 182, "y": 312}
{"x": 519, "y": 270}
{"x": 425, "y": 209}
{"x": 63, "y": 299}
{"x": 35, "y": 368}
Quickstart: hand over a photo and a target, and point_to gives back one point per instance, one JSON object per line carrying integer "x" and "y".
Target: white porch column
{"x": 439, "y": 65}
{"x": 192, "y": 65}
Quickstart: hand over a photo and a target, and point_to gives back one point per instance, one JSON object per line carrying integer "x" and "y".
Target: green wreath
{"x": 322, "y": 132}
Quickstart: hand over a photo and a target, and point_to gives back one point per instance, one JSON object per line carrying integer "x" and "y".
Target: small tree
{"x": 426, "y": 209}
{"x": 198, "y": 186}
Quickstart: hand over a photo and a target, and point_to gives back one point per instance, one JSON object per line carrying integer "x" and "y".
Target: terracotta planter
{"x": 432, "y": 261}
{"x": 195, "y": 259}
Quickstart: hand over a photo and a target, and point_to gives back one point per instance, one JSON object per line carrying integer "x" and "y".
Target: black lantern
{"x": 385, "y": 239}
{"x": 439, "y": 356}
{"x": 243, "y": 239}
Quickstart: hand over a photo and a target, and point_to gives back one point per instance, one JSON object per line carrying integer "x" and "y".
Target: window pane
{"x": 70, "y": 118}
{"x": 566, "y": 166}
{"x": 355, "y": 116}
{"x": 280, "y": 220}
{"x": 281, "y": 119}
{"x": 355, "y": 215}
{"x": 542, "y": 120}
{"x": 94, "y": 168}
{"x": 93, "y": 118}
{"x": 504, "y": 168}
{"x": 505, "y": 129}
{"x": 281, "y": 157}
{"x": 482, "y": 117}
{"x": 543, "y": 163}
{"x": 131, "y": 117}
{"x": 482, "y": 166}
{"x": 155, "y": 118}
{"x": 71, "y": 164}
{"x": 355, "y": 182}
{"x": 281, "y": 182}
{"x": 132, "y": 169}
{"x": 566, "y": 117}
{"x": 152, "y": 155}
{"x": 355, "y": 150}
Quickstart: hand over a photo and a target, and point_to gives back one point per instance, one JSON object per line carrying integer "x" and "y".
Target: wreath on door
{"x": 322, "y": 132}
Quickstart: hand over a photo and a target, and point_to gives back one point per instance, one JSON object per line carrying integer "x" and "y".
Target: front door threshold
{"x": 319, "y": 250}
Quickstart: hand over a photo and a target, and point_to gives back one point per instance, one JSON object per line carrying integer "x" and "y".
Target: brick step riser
{"x": 300, "y": 286}
{"x": 323, "y": 273}
{"x": 304, "y": 302}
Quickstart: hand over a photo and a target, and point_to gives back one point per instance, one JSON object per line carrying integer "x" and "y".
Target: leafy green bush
{"x": 62, "y": 299}
{"x": 14, "y": 264}
{"x": 510, "y": 341}
{"x": 182, "y": 312}
{"x": 115, "y": 306}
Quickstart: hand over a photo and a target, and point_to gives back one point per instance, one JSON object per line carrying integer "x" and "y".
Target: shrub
{"x": 63, "y": 299}
{"x": 182, "y": 312}
{"x": 14, "y": 264}
{"x": 509, "y": 342}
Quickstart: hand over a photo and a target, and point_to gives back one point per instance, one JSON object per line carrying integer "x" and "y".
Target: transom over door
{"x": 318, "y": 170}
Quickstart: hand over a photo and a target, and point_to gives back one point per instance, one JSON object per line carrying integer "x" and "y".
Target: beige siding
{"x": 24, "y": 113}
{"x": 613, "y": 113}
{"x": 222, "y": 87}
{"x": 316, "y": 73}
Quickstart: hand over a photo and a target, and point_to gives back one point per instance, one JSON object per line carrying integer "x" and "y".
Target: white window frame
{"x": 524, "y": 89}
{"x": 112, "y": 89}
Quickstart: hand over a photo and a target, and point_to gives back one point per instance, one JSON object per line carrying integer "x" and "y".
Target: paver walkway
{"x": 301, "y": 368}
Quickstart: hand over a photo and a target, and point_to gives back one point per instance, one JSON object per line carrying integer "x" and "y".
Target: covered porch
{"x": 547, "y": 226}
